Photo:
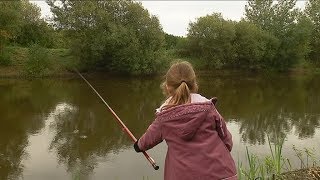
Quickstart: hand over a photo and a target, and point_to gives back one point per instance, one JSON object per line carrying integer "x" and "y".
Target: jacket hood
{"x": 186, "y": 119}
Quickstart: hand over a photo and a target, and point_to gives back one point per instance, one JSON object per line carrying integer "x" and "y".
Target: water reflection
{"x": 83, "y": 131}
{"x": 23, "y": 108}
{"x": 268, "y": 105}
{"x": 88, "y": 132}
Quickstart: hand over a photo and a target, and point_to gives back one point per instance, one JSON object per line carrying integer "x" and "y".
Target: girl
{"x": 198, "y": 140}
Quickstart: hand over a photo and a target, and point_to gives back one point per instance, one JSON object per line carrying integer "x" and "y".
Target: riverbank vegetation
{"x": 277, "y": 166}
{"x": 123, "y": 37}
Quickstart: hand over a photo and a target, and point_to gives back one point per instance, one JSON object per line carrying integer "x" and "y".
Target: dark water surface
{"x": 58, "y": 129}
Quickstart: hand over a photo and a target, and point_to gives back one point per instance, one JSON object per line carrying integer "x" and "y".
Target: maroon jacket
{"x": 199, "y": 143}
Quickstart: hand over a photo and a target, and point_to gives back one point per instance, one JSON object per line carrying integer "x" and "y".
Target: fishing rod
{"x": 124, "y": 127}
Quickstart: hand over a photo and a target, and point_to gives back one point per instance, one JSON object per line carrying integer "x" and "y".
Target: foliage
{"x": 34, "y": 30}
{"x": 310, "y": 155}
{"x": 277, "y": 160}
{"x": 5, "y": 58}
{"x": 171, "y": 41}
{"x": 117, "y": 36}
{"x": 274, "y": 164}
{"x": 312, "y": 11}
{"x": 276, "y": 18}
{"x": 37, "y": 64}
{"x": 255, "y": 48}
{"x": 39, "y": 33}
{"x": 263, "y": 169}
{"x": 182, "y": 47}
{"x": 273, "y": 36}
{"x": 283, "y": 21}
{"x": 176, "y": 46}
{"x": 9, "y": 20}
{"x": 60, "y": 39}
{"x": 20, "y": 23}
{"x": 259, "y": 12}
{"x": 121, "y": 36}
{"x": 254, "y": 167}
{"x": 211, "y": 38}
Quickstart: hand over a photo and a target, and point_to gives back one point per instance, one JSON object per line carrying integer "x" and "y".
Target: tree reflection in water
{"x": 268, "y": 105}
{"x": 24, "y": 105}
{"x": 86, "y": 132}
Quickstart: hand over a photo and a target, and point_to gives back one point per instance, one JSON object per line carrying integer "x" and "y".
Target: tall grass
{"x": 276, "y": 155}
{"x": 274, "y": 164}
{"x": 254, "y": 166}
{"x": 309, "y": 155}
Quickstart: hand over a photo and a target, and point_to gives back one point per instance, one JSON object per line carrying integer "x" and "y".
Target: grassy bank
{"x": 19, "y": 62}
{"x": 50, "y": 62}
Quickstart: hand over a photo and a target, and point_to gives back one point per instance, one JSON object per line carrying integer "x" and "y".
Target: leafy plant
{"x": 119, "y": 36}
{"x": 5, "y": 59}
{"x": 37, "y": 64}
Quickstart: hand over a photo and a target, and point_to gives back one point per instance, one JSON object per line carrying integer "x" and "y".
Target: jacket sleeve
{"x": 150, "y": 138}
{"x": 223, "y": 132}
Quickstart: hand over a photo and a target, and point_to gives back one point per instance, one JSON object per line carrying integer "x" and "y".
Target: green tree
{"x": 20, "y": 23}
{"x": 313, "y": 12}
{"x": 211, "y": 38}
{"x": 9, "y": 21}
{"x": 118, "y": 36}
{"x": 37, "y": 64}
{"x": 260, "y": 12}
{"x": 255, "y": 48}
{"x": 282, "y": 20}
{"x": 171, "y": 41}
{"x": 33, "y": 29}
{"x": 9, "y": 27}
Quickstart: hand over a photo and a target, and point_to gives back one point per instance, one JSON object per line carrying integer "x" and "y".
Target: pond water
{"x": 59, "y": 129}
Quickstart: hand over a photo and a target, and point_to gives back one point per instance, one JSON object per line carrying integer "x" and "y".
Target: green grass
{"x": 274, "y": 164}
{"x": 276, "y": 154}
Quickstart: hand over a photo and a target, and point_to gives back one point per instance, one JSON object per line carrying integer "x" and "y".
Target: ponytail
{"x": 179, "y": 83}
{"x": 181, "y": 95}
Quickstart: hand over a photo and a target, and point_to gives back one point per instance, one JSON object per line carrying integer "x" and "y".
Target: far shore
{"x": 60, "y": 61}
{"x": 17, "y": 73}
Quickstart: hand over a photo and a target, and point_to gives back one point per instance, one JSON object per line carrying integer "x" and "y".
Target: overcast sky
{"x": 175, "y": 16}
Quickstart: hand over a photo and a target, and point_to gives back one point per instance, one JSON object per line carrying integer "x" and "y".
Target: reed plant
{"x": 298, "y": 153}
{"x": 309, "y": 155}
{"x": 276, "y": 155}
{"x": 273, "y": 165}
{"x": 145, "y": 178}
{"x": 254, "y": 166}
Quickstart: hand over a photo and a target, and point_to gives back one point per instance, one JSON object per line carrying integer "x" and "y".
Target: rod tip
{"x": 156, "y": 167}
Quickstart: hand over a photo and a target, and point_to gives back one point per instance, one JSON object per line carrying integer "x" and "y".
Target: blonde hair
{"x": 180, "y": 81}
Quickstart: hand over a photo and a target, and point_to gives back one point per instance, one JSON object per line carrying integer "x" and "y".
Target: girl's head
{"x": 180, "y": 81}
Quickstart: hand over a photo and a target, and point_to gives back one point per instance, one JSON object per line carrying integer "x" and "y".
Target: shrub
{"x": 37, "y": 64}
{"x": 5, "y": 59}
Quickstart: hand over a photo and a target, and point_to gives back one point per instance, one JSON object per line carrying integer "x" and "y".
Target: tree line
{"x": 21, "y": 24}
{"x": 122, "y": 36}
{"x": 272, "y": 35}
